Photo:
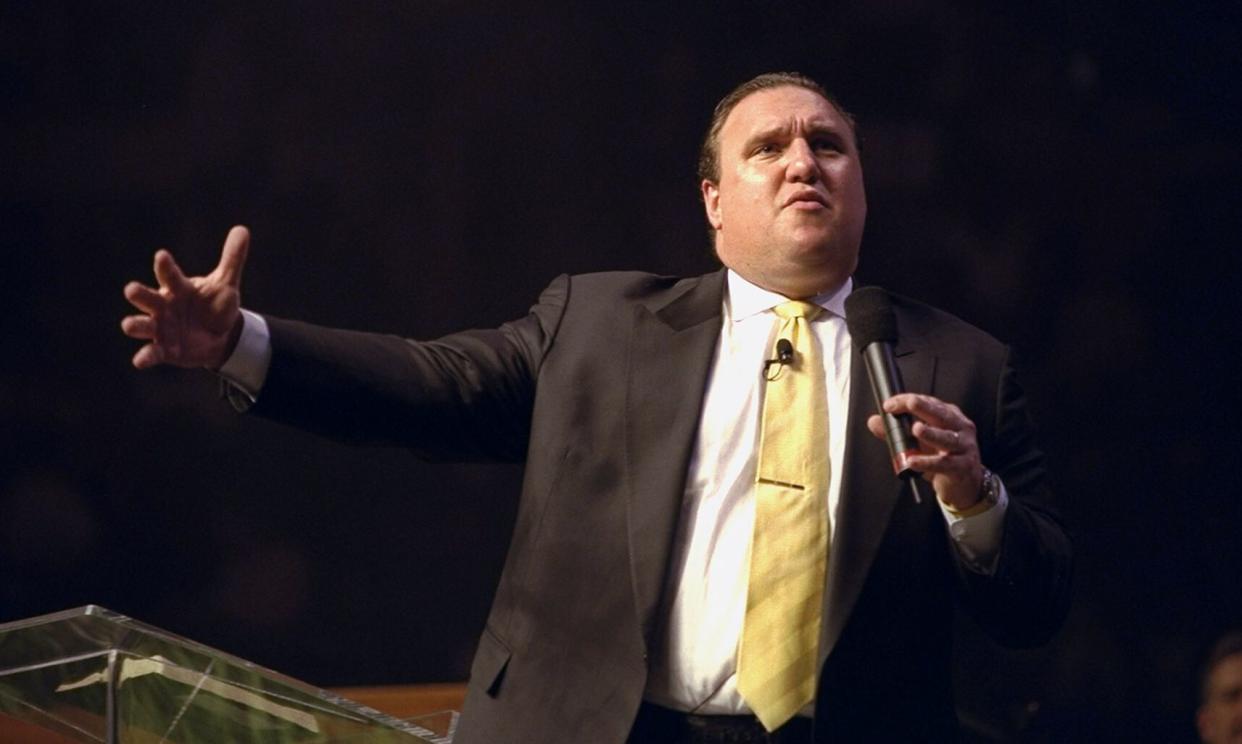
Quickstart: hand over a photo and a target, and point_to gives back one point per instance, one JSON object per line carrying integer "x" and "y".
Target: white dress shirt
{"x": 247, "y": 366}
{"x": 705, "y": 601}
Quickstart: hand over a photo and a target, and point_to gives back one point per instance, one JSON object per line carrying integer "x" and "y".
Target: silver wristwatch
{"x": 989, "y": 489}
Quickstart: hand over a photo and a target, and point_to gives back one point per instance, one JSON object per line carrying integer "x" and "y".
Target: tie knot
{"x": 798, "y": 309}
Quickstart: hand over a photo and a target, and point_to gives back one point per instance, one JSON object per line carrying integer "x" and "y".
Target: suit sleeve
{"x": 467, "y": 396}
{"x": 1025, "y": 601}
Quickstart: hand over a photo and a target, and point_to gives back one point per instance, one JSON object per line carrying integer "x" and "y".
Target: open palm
{"x": 189, "y": 321}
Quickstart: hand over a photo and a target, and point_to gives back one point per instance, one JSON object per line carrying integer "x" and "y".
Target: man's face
{"x": 1220, "y": 716}
{"x": 789, "y": 207}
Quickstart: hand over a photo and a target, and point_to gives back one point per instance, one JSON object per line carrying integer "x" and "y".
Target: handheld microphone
{"x": 873, "y": 327}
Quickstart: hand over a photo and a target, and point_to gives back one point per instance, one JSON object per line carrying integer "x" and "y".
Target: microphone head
{"x": 784, "y": 351}
{"x": 869, "y": 317}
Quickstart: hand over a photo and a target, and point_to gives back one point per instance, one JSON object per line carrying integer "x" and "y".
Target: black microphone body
{"x": 885, "y": 383}
{"x": 873, "y": 328}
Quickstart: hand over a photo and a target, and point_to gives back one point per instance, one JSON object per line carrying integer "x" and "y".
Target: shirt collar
{"x": 746, "y": 299}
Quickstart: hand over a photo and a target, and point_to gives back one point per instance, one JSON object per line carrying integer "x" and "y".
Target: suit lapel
{"x": 869, "y": 490}
{"x": 670, "y": 356}
{"x": 671, "y": 349}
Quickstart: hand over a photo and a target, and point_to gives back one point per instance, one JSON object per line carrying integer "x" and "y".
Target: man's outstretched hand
{"x": 189, "y": 321}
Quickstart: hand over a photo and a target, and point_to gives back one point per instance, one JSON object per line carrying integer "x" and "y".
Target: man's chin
{"x": 822, "y": 240}
{"x": 822, "y": 256}
{"x": 800, "y": 280}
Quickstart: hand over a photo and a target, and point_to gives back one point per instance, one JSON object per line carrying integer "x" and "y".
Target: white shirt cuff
{"x": 978, "y": 538}
{"x": 246, "y": 367}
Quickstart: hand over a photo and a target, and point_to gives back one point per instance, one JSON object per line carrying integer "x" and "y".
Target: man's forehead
{"x": 784, "y": 108}
{"x": 1228, "y": 671}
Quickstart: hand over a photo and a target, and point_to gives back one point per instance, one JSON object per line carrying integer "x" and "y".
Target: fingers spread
{"x": 169, "y": 273}
{"x": 148, "y": 356}
{"x": 144, "y": 298}
{"x": 138, "y": 326}
{"x": 233, "y": 256}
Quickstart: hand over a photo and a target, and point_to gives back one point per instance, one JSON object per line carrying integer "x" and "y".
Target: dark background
{"x": 1063, "y": 175}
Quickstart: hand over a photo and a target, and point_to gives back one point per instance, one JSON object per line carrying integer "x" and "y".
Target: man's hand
{"x": 948, "y": 452}
{"x": 189, "y": 321}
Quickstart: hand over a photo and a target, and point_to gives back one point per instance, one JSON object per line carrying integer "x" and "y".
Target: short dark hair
{"x": 709, "y": 152}
{"x": 1229, "y": 645}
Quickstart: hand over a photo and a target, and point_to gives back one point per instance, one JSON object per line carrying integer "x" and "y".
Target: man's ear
{"x": 711, "y": 202}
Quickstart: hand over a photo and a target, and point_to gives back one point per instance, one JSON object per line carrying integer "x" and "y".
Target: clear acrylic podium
{"x": 91, "y": 675}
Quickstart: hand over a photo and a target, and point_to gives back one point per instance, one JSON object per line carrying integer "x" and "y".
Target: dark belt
{"x": 657, "y": 725}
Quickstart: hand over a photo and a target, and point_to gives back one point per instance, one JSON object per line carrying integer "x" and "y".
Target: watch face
{"x": 991, "y": 487}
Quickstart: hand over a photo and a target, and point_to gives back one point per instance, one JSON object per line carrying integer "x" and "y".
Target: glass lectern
{"x": 91, "y": 675}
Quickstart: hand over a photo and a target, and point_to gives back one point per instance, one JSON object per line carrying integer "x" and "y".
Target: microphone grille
{"x": 869, "y": 317}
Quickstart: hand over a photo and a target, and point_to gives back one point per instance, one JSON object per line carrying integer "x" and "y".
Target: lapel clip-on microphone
{"x": 873, "y": 327}
{"x": 784, "y": 355}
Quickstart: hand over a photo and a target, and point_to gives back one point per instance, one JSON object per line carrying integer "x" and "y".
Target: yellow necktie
{"x": 789, "y": 545}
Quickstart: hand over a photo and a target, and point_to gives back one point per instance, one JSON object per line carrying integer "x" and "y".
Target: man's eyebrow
{"x": 769, "y": 131}
{"x": 818, "y": 127}
{"x": 827, "y": 127}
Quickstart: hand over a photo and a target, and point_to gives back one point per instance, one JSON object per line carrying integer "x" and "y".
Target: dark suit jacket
{"x": 599, "y": 391}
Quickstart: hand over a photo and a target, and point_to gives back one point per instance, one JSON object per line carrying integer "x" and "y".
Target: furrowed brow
{"x": 767, "y": 133}
{"x": 826, "y": 129}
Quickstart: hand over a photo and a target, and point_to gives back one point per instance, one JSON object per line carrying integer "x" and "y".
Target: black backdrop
{"x": 1062, "y": 175}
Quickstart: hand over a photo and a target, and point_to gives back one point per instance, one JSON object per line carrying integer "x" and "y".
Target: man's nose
{"x": 801, "y": 165}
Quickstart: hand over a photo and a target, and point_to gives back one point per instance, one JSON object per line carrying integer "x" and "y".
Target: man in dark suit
{"x": 635, "y": 402}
